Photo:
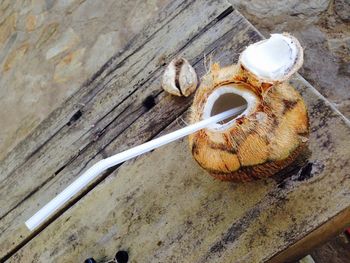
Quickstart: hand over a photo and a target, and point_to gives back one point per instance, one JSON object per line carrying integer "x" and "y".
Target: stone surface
{"x": 68, "y": 40}
{"x": 69, "y": 67}
{"x": 49, "y": 31}
{"x": 103, "y": 50}
{"x": 15, "y": 56}
{"x": 31, "y": 22}
{"x": 272, "y": 8}
{"x": 7, "y": 27}
{"x": 342, "y": 8}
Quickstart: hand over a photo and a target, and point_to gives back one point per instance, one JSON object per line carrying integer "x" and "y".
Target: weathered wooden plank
{"x": 115, "y": 139}
{"x": 59, "y": 118}
{"x": 314, "y": 239}
{"x": 163, "y": 208}
{"x": 161, "y": 214}
{"x": 42, "y": 166}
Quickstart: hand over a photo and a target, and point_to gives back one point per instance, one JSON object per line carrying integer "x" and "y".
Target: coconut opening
{"x": 226, "y": 102}
{"x": 274, "y": 58}
{"x": 226, "y": 98}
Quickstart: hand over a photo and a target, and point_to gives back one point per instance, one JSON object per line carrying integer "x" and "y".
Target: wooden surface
{"x": 327, "y": 231}
{"x": 162, "y": 207}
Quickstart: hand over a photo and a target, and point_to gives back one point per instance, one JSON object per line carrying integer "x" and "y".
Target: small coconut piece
{"x": 263, "y": 139}
{"x": 274, "y": 59}
{"x": 180, "y": 78}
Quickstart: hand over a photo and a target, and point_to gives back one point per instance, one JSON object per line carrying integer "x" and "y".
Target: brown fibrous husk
{"x": 255, "y": 145}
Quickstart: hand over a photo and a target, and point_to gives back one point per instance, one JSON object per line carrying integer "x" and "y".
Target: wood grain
{"x": 162, "y": 207}
{"x": 62, "y": 116}
{"x": 65, "y": 145}
{"x": 125, "y": 125}
{"x": 304, "y": 246}
{"x": 99, "y": 109}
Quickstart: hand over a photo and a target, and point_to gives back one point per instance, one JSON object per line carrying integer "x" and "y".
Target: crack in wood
{"x": 76, "y": 116}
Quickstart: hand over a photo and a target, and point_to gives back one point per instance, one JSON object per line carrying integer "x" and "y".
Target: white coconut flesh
{"x": 272, "y": 59}
{"x": 225, "y": 98}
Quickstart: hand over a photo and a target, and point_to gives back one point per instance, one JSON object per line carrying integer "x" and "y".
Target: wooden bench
{"x": 162, "y": 207}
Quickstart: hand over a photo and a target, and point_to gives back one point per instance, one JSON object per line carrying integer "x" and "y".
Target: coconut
{"x": 271, "y": 130}
{"x": 179, "y": 78}
{"x": 271, "y": 61}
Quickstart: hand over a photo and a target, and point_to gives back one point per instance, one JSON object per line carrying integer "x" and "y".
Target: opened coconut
{"x": 273, "y": 127}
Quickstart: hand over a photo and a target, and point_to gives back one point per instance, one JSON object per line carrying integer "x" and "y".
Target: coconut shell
{"x": 265, "y": 83}
{"x": 257, "y": 144}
